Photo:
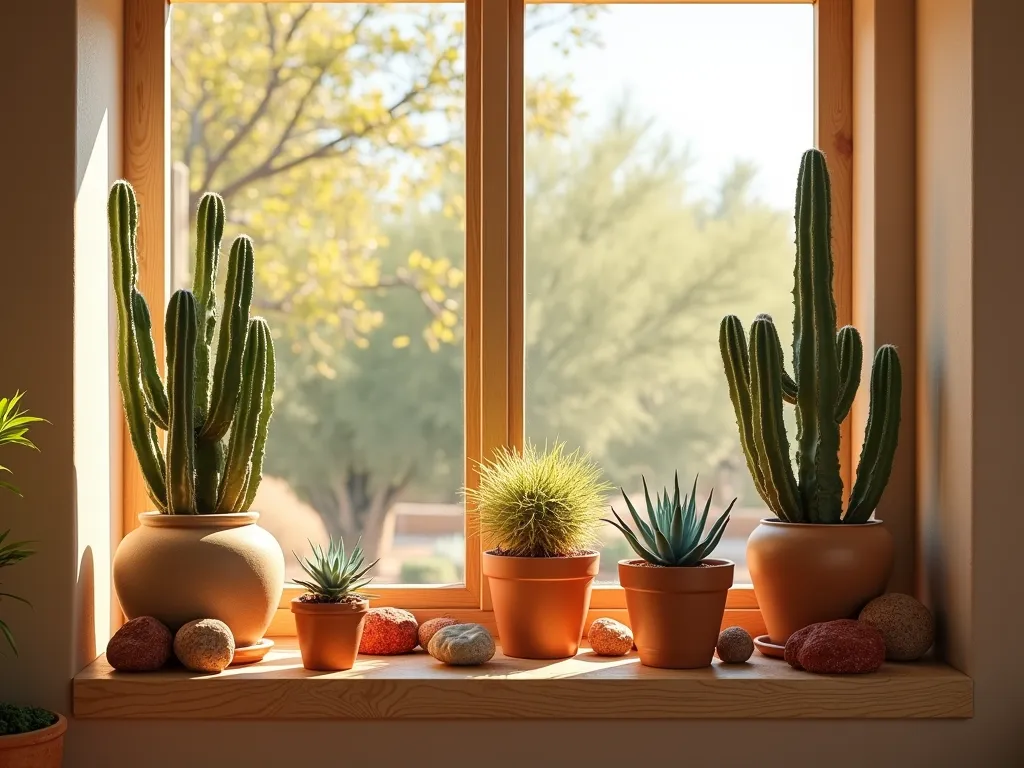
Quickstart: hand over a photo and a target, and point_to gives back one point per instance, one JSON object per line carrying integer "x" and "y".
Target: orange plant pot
{"x": 329, "y": 633}
{"x": 804, "y": 573}
{"x": 540, "y": 603}
{"x": 676, "y": 613}
{"x": 36, "y": 749}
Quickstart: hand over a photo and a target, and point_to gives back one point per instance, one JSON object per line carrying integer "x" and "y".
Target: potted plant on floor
{"x": 541, "y": 511}
{"x": 675, "y": 593}
{"x": 200, "y": 554}
{"x": 329, "y": 618}
{"x": 29, "y": 736}
{"x": 811, "y": 562}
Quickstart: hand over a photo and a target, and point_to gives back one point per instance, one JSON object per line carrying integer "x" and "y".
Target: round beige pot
{"x": 177, "y": 568}
{"x": 804, "y": 573}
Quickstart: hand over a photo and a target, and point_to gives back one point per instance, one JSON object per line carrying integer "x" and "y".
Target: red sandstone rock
{"x": 140, "y": 645}
{"x": 388, "y": 632}
{"x": 842, "y": 647}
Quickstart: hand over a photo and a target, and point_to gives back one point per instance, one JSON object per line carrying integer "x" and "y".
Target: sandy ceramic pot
{"x": 177, "y": 568}
{"x": 804, "y": 573}
{"x": 329, "y": 633}
{"x": 36, "y": 749}
{"x": 540, "y": 603}
{"x": 676, "y": 613}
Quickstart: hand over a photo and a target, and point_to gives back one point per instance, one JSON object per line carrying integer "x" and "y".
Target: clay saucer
{"x": 250, "y": 654}
{"x": 767, "y": 648}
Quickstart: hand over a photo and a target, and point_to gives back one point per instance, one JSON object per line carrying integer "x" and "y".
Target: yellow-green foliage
{"x": 540, "y": 504}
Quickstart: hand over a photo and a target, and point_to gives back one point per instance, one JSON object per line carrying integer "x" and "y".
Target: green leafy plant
{"x": 540, "y": 504}
{"x": 16, "y": 719}
{"x": 674, "y": 535}
{"x": 14, "y": 425}
{"x": 827, "y": 370}
{"x": 202, "y": 470}
{"x": 334, "y": 576}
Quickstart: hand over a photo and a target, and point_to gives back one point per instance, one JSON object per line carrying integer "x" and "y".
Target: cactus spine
{"x": 201, "y": 404}
{"x": 827, "y": 368}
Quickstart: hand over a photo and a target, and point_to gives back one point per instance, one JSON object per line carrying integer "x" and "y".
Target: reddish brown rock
{"x": 843, "y": 647}
{"x": 907, "y": 626}
{"x": 140, "y": 645}
{"x": 430, "y": 627}
{"x": 388, "y": 632}
{"x": 609, "y": 637}
{"x": 735, "y": 645}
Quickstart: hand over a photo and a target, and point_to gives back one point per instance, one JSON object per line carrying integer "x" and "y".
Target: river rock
{"x": 734, "y": 645}
{"x": 204, "y": 645}
{"x": 389, "y": 632}
{"x": 462, "y": 645}
{"x": 907, "y": 626}
{"x": 429, "y": 627}
{"x": 609, "y": 637}
{"x": 140, "y": 645}
{"x": 843, "y": 647}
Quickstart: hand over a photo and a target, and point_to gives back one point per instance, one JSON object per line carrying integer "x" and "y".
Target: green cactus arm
{"x": 733, "y": 343}
{"x": 815, "y": 360}
{"x": 238, "y": 463}
{"x": 851, "y": 360}
{"x": 880, "y": 437}
{"x": 789, "y": 388}
{"x": 182, "y": 328}
{"x": 156, "y": 397}
{"x": 123, "y": 221}
{"x": 769, "y": 430}
{"x": 227, "y": 371}
{"x": 209, "y": 465}
{"x": 252, "y": 482}
{"x": 209, "y": 232}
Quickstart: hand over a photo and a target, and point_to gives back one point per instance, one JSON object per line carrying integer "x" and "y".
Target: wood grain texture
{"x": 414, "y": 686}
{"x": 144, "y": 150}
{"x": 833, "y": 131}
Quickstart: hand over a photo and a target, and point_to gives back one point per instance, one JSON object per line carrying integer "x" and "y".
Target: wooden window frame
{"x": 494, "y": 253}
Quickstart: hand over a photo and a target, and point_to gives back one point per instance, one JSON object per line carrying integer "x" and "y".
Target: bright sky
{"x": 728, "y": 81}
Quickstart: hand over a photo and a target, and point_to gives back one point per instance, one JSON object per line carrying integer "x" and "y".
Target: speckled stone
{"x": 204, "y": 645}
{"x": 389, "y": 632}
{"x": 462, "y": 645}
{"x": 429, "y": 627}
{"x": 609, "y": 637}
{"x": 907, "y": 626}
{"x": 140, "y": 645}
{"x": 735, "y": 645}
{"x": 842, "y": 647}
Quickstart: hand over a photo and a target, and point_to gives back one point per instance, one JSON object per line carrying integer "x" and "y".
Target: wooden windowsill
{"x": 588, "y": 686}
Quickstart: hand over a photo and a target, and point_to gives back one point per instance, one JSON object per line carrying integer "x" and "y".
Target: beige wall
{"x": 969, "y": 266}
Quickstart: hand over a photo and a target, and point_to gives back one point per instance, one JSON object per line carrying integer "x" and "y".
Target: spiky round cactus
{"x": 826, "y": 368}
{"x": 201, "y": 404}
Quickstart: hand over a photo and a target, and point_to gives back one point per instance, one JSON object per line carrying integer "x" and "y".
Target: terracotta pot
{"x": 805, "y": 573}
{"x": 540, "y": 603}
{"x": 177, "y": 568}
{"x": 36, "y": 749}
{"x": 676, "y": 613}
{"x": 329, "y": 633}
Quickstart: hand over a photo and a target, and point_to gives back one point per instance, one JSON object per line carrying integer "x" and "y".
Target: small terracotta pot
{"x": 540, "y": 603}
{"x": 177, "y": 568}
{"x": 329, "y": 633}
{"x": 36, "y": 749}
{"x": 676, "y": 613}
{"x": 804, "y": 573}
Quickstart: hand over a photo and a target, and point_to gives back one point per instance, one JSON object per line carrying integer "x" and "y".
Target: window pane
{"x": 661, "y": 155}
{"x": 336, "y": 135}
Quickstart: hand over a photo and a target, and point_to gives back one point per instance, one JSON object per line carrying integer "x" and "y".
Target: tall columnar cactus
{"x": 202, "y": 402}
{"x": 826, "y": 368}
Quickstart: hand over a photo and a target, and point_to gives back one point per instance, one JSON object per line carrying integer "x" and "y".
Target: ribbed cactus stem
{"x": 880, "y": 437}
{"x": 209, "y": 232}
{"x": 733, "y": 343}
{"x": 252, "y": 483}
{"x": 123, "y": 221}
{"x": 815, "y": 358}
{"x": 153, "y": 385}
{"x": 182, "y": 329}
{"x": 242, "y": 445}
{"x": 851, "y": 360}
